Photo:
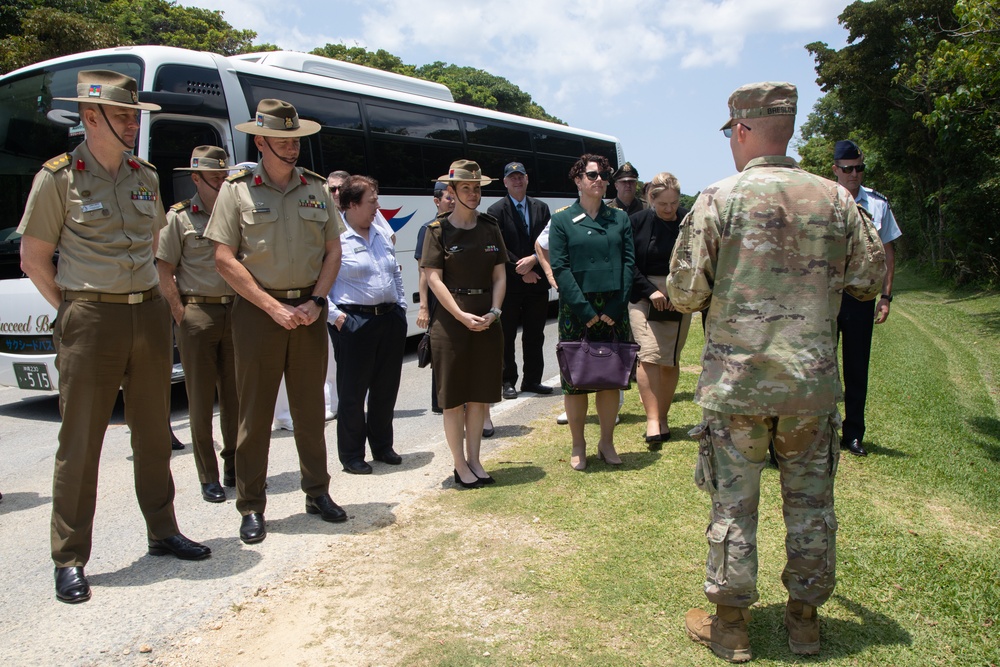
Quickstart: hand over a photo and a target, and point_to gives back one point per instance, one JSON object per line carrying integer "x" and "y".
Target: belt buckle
{"x": 227, "y": 299}
{"x": 134, "y": 298}
{"x": 293, "y": 294}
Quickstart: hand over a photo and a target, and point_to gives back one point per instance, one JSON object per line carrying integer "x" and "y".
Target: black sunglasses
{"x": 728, "y": 132}
{"x": 850, "y": 169}
{"x": 594, "y": 175}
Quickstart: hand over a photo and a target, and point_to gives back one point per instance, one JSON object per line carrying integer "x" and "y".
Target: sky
{"x": 654, "y": 73}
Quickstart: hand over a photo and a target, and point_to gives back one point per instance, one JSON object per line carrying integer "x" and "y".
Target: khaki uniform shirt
{"x": 103, "y": 227}
{"x": 770, "y": 251}
{"x": 183, "y": 244}
{"x": 280, "y": 236}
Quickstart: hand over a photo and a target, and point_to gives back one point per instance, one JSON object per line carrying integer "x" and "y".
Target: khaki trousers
{"x": 205, "y": 342}
{"x": 99, "y": 348}
{"x": 264, "y": 352}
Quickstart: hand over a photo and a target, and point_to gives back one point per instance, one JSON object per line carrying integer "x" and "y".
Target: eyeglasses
{"x": 728, "y": 132}
{"x": 850, "y": 169}
{"x": 594, "y": 175}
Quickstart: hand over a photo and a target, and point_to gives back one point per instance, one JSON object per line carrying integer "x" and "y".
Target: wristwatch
{"x": 319, "y": 301}
{"x": 496, "y": 312}
{"x": 887, "y": 297}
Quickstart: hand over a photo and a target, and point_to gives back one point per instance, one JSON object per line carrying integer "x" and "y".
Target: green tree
{"x": 33, "y": 30}
{"x": 909, "y": 88}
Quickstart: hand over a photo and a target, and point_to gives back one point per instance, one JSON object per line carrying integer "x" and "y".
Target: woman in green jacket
{"x": 593, "y": 259}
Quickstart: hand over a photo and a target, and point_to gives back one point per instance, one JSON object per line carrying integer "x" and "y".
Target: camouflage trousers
{"x": 732, "y": 453}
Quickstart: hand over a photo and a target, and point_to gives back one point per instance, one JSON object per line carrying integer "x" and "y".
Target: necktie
{"x": 524, "y": 221}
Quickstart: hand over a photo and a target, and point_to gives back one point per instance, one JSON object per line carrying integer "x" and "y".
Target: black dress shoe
{"x": 854, "y": 447}
{"x": 653, "y": 443}
{"x": 485, "y": 481}
{"x": 252, "y": 528}
{"x": 478, "y": 484}
{"x": 213, "y": 493}
{"x": 358, "y": 468}
{"x": 508, "y": 391}
{"x": 71, "y": 585}
{"x": 437, "y": 411}
{"x": 175, "y": 444}
{"x": 179, "y": 546}
{"x": 537, "y": 388}
{"x": 229, "y": 480}
{"x": 388, "y": 456}
{"x": 489, "y": 432}
{"x": 326, "y": 508}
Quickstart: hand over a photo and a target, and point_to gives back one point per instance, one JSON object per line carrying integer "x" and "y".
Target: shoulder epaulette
{"x": 441, "y": 216}
{"x": 314, "y": 174}
{"x": 239, "y": 175}
{"x": 880, "y": 196}
{"x": 144, "y": 163}
{"x": 57, "y": 163}
{"x": 181, "y": 205}
{"x": 560, "y": 210}
{"x": 436, "y": 222}
{"x": 489, "y": 218}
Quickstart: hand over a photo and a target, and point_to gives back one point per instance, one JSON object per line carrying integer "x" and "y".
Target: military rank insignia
{"x": 143, "y": 194}
{"x": 491, "y": 248}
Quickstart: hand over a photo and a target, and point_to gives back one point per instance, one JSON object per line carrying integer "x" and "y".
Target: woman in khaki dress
{"x": 658, "y": 328}
{"x": 464, "y": 257}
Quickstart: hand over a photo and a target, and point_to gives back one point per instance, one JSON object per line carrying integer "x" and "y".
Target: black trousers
{"x": 855, "y": 324}
{"x": 529, "y": 311}
{"x": 369, "y": 352}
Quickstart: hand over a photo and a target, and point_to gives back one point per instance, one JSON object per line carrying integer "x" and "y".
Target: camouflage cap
{"x": 625, "y": 171}
{"x": 760, "y": 100}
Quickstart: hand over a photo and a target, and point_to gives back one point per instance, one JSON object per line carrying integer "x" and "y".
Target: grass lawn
{"x": 598, "y": 568}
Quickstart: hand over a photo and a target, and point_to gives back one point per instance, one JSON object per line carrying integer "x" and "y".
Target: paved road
{"x": 139, "y": 599}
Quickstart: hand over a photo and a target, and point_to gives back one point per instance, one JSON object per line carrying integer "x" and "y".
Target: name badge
{"x": 261, "y": 210}
{"x": 360, "y": 249}
{"x": 87, "y": 208}
{"x": 580, "y": 217}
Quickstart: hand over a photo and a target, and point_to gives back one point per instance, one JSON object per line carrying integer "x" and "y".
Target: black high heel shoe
{"x": 468, "y": 485}
{"x": 484, "y": 480}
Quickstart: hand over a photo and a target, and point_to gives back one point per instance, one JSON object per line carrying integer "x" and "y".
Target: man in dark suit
{"x": 526, "y": 303}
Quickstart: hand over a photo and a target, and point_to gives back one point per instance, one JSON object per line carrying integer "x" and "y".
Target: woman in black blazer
{"x": 659, "y": 329}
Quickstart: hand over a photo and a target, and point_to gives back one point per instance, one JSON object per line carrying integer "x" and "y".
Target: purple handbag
{"x": 596, "y": 365}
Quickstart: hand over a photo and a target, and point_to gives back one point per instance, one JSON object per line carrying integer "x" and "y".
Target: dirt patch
{"x": 430, "y": 584}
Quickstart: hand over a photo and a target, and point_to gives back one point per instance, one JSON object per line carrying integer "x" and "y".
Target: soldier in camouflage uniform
{"x": 769, "y": 251}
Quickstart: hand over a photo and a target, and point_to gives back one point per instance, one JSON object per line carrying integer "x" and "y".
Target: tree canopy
{"x": 917, "y": 87}
{"x": 34, "y": 30}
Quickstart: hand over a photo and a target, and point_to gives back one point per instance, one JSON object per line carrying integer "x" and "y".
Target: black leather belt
{"x": 380, "y": 309}
{"x": 290, "y": 293}
{"x": 464, "y": 290}
{"x": 100, "y": 297}
{"x": 206, "y": 299}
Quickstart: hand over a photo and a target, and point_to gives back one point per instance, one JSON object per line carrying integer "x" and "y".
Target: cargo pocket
{"x": 716, "y": 563}
{"x": 834, "y": 426}
{"x": 830, "y": 519}
{"x": 704, "y": 470}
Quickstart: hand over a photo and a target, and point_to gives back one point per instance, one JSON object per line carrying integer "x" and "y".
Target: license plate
{"x": 32, "y": 376}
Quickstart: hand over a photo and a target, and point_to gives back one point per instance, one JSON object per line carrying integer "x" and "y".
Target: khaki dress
{"x": 468, "y": 365}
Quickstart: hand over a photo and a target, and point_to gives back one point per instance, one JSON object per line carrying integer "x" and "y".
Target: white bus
{"x": 404, "y": 132}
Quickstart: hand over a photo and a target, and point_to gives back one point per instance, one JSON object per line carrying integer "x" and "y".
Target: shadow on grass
{"x": 880, "y": 450}
{"x": 990, "y": 428}
{"x": 841, "y": 638}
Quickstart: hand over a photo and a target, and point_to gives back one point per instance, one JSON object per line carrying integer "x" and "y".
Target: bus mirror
{"x": 63, "y": 117}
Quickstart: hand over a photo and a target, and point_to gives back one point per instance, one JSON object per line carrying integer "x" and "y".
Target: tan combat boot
{"x": 803, "y": 628}
{"x": 725, "y": 631}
